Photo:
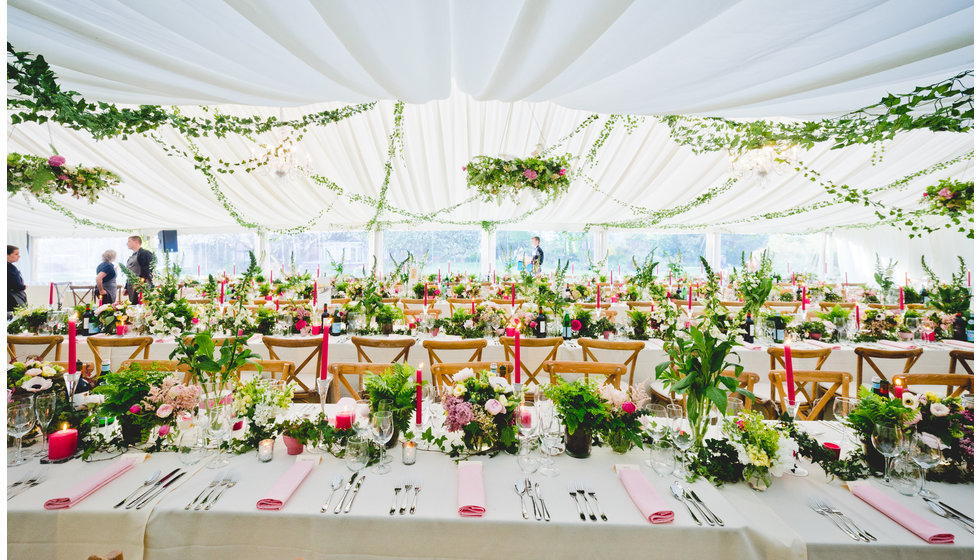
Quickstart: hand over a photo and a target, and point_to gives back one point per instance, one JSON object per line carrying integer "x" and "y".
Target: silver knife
{"x": 160, "y": 490}
{"x": 139, "y": 498}
{"x": 955, "y": 512}
{"x": 357, "y": 488}
{"x": 708, "y": 510}
{"x": 347, "y": 488}
{"x": 544, "y": 508}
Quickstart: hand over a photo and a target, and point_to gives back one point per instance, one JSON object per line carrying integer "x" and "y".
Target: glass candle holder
{"x": 265, "y": 450}
{"x": 408, "y": 452}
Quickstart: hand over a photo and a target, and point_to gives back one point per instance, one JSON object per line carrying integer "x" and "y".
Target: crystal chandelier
{"x": 763, "y": 162}
{"x": 282, "y": 162}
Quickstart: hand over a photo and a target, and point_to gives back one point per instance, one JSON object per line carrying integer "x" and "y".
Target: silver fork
{"x": 581, "y": 491}
{"x": 404, "y": 508}
{"x": 840, "y": 524}
{"x": 38, "y": 478}
{"x": 224, "y": 481}
{"x": 234, "y": 481}
{"x": 590, "y": 490}
{"x": 534, "y": 501}
{"x": 571, "y": 492}
{"x": 394, "y": 501}
{"x": 214, "y": 482}
{"x": 28, "y": 477}
{"x": 415, "y": 499}
{"x": 833, "y": 509}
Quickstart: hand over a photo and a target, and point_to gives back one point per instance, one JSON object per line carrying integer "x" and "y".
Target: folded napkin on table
{"x": 820, "y": 344}
{"x": 85, "y": 488}
{"x": 277, "y": 497}
{"x": 899, "y": 345}
{"x": 959, "y": 344}
{"x": 644, "y": 496}
{"x": 899, "y": 513}
{"x": 470, "y": 497}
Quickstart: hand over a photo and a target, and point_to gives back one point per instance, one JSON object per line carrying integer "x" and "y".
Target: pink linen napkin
{"x": 749, "y": 346}
{"x": 821, "y": 344}
{"x": 645, "y": 497}
{"x": 900, "y": 514}
{"x": 959, "y": 344}
{"x": 470, "y": 496}
{"x": 277, "y": 497}
{"x": 86, "y": 488}
{"x": 899, "y": 345}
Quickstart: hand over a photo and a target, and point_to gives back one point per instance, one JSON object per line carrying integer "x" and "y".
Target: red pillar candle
{"x": 345, "y": 419}
{"x": 899, "y": 390}
{"x": 790, "y": 385}
{"x": 418, "y": 395}
{"x": 71, "y": 346}
{"x": 517, "y": 353}
{"x": 326, "y": 349}
{"x": 51, "y": 295}
{"x": 120, "y": 329}
{"x": 62, "y": 444}
{"x": 833, "y": 448}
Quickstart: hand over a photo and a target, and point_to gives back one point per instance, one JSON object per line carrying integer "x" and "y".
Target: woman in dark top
{"x": 105, "y": 277}
{"x": 16, "y": 290}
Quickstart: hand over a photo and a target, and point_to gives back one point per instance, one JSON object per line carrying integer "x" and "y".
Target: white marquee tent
{"x": 495, "y": 78}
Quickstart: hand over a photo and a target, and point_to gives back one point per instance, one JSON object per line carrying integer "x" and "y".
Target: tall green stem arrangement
{"x": 214, "y": 374}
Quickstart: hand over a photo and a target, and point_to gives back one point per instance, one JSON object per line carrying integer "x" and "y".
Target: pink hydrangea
{"x": 946, "y": 193}
{"x": 56, "y": 161}
{"x": 531, "y": 174}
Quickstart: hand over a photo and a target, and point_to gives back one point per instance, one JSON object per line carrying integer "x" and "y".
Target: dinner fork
{"x": 840, "y": 524}
{"x": 38, "y": 478}
{"x": 415, "y": 499}
{"x": 234, "y": 481}
{"x": 224, "y": 481}
{"x": 574, "y": 494}
{"x": 590, "y": 490}
{"x": 28, "y": 476}
{"x": 404, "y": 508}
{"x": 580, "y": 487}
{"x": 833, "y": 509}
{"x": 394, "y": 501}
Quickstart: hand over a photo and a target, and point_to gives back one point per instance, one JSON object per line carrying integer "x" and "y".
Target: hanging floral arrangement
{"x": 950, "y": 197}
{"x": 39, "y": 176}
{"x": 496, "y": 178}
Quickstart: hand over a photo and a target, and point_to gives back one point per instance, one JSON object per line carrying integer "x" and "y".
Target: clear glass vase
{"x": 758, "y": 478}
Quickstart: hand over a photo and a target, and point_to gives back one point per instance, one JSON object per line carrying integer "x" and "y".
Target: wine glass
{"x": 662, "y": 459}
{"x": 51, "y": 320}
{"x": 656, "y": 424}
{"x": 887, "y": 439}
{"x": 843, "y": 406}
{"x": 381, "y": 430}
{"x": 356, "y": 454}
{"x": 680, "y": 433}
{"x": 924, "y": 449}
{"x": 20, "y": 421}
{"x": 735, "y": 406}
{"x": 45, "y": 405}
{"x": 526, "y": 459}
{"x": 189, "y": 449}
{"x": 526, "y": 420}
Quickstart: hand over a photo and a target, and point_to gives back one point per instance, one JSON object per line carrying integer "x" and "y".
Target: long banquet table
{"x": 773, "y": 524}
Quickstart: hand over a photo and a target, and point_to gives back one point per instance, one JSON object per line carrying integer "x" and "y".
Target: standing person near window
{"x": 537, "y": 259}
{"x": 140, "y": 263}
{"x": 105, "y": 277}
{"x": 16, "y": 290}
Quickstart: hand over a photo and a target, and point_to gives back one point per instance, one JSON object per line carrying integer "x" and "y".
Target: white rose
{"x": 938, "y": 409}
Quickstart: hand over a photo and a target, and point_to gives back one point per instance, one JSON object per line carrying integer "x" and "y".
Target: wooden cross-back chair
{"x": 197, "y": 301}
{"x": 310, "y": 349}
{"x": 403, "y": 345}
{"x": 442, "y": 373}
{"x": 783, "y": 306}
{"x": 389, "y": 300}
{"x": 591, "y": 306}
{"x": 164, "y": 365}
{"x": 528, "y": 375}
{"x": 916, "y": 306}
{"x": 81, "y": 294}
{"x": 506, "y": 301}
{"x": 642, "y": 305}
{"x": 433, "y": 347}
{"x": 610, "y": 372}
{"x": 886, "y": 306}
{"x": 405, "y": 302}
{"x": 462, "y": 303}
{"x": 956, "y": 383}
{"x": 49, "y": 341}
{"x": 810, "y": 390}
{"x": 828, "y": 305}
{"x": 343, "y": 371}
{"x": 341, "y": 301}
{"x": 137, "y": 343}
{"x": 733, "y": 305}
{"x": 631, "y": 349}
{"x": 865, "y": 354}
{"x": 960, "y": 357}
{"x": 416, "y": 313}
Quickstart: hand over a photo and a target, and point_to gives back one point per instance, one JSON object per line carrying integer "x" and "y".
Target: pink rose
{"x": 629, "y": 408}
{"x": 194, "y": 320}
{"x": 164, "y": 430}
{"x": 56, "y": 161}
{"x": 300, "y": 325}
{"x": 135, "y": 409}
{"x": 464, "y": 168}
{"x": 494, "y": 407}
{"x": 164, "y": 410}
{"x": 576, "y": 325}
{"x": 531, "y": 174}
{"x": 533, "y": 325}
{"x": 561, "y": 172}
{"x": 946, "y": 193}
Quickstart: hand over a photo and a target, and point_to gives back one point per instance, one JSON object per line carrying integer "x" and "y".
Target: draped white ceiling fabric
{"x": 490, "y": 78}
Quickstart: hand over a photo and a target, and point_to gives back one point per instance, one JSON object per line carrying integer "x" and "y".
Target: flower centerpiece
{"x": 126, "y": 397}
{"x": 950, "y": 422}
{"x": 481, "y": 408}
{"x": 28, "y": 319}
{"x": 815, "y": 330}
{"x": 584, "y": 412}
{"x": 394, "y": 390}
{"x": 951, "y": 198}
{"x": 32, "y": 377}
{"x": 753, "y": 282}
{"x": 878, "y": 324}
{"x": 875, "y": 409}
{"x": 495, "y": 178}
{"x": 764, "y": 451}
{"x": 953, "y": 297}
{"x": 261, "y": 402}
{"x": 46, "y": 176}
{"x": 623, "y": 429}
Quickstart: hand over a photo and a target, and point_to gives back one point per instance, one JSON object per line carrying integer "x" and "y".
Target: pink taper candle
{"x": 418, "y": 395}
{"x": 51, "y": 295}
{"x": 690, "y": 297}
{"x": 790, "y": 385}
{"x": 901, "y": 299}
{"x": 517, "y": 353}
{"x": 804, "y": 299}
{"x": 324, "y": 363}
{"x": 71, "y": 346}
{"x": 426, "y": 300}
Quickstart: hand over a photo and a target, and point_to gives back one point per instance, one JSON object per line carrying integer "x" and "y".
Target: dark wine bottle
{"x": 336, "y": 326}
{"x": 959, "y": 328}
{"x": 749, "y": 335}
{"x": 541, "y": 329}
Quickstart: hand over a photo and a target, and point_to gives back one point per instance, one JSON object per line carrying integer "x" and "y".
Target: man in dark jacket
{"x": 16, "y": 290}
{"x": 140, "y": 263}
{"x": 538, "y": 258}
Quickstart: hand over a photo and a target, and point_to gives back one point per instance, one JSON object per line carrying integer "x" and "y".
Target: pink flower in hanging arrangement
{"x": 946, "y": 193}
{"x": 64, "y": 178}
{"x": 576, "y": 325}
{"x": 533, "y": 325}
{"x": 561, "y": 172}
{"x": 56, "y": 161}
{"x": 531, "y": 174}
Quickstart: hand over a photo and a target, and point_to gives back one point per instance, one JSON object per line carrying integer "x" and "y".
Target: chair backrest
{"x": 434, "y": 346}
{"x": 733, "y": 305}
{"x": 81, "y": 294}
{"x": 277, "y": 369}
{"x": 529, "y": 375}
{"x": 197, "y": 301}
{"x": 138, "y": 343}
{"x": 631, "y": 349}
{"x": 416, "y": 313}
{"x": 611, "y": 373}
{"x": 506, "y": 301}
{"x": 442, "y": 373}
{"x": 86, "y": 369}
{"x": 827, "y": 305}
{"x": 462, "y": 303}
{"x": 416, "y": 303}
{"x": 777, "y": 355}
{"x": 865, "y": 354}
{"x": 402, "y": 345}
{"x": 960, "y": 357}
{"x": 342, "y": 371}
{"x": 888, "y": 306}
{"x": 49, "y": 341}
{"x": 339, "y": 301}
{"x": 956, "y": 383}
{"x": 310, "y": 350}
{"x": 783, "y": 306}
{"x": 916, "y": 306}
{"x": 165, "y": 365}
{"x": 591, "y": 306}
{"x": 808, "y": 389}
{"x": 747, "y": 381}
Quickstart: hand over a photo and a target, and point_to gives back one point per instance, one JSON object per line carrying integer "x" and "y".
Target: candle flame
{"x": 420, "y": 366}
{"x": 64, "y": 426}
{"x": 898, "y": 382}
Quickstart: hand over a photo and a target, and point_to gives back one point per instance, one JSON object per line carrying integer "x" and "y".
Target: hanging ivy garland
{"x": 39, "y": 176}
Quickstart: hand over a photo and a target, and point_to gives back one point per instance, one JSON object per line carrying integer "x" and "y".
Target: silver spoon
{"x": 675, "y": 489}
{"x": 149, "y": 481}
{"x": 938, "y": 510}
{"x": 337, "y": 481}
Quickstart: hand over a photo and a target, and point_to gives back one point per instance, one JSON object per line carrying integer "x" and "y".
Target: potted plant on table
{"x": 765, "y": 452}
{"x": 393, "y": 390}
{"x": 386, "y": 316}
{"x": 125, "y": 394}
{"x": 623, "y": 430}
{"x": 638, "y": 322}
{"x": 582, "y": 410}
{"x": 872, "y": 410}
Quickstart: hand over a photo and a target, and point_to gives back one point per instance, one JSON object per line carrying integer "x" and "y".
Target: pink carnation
{"x": 576, "y": 325}
{"x": 56, "y": 161}
{"x": 135, "y": 409}
{"x": 531, "y": 174}
{"x": 164, "y": 430}
{"x": 629, "y": 407}
{"x": 946, "y": 193}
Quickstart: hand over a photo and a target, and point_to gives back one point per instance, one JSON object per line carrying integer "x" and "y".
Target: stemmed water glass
{"x": 381, "y": 430}
{"x": 843, "y": 406}
{"x": 550, "y": 436}
{"x": 661, "y": 456}
{"x": 735, "y": 406}
{"x": 680, "y": 433}
{"x": 218, "y": 429}
{"x": 356, "y": 454}
{"x": 924, "y": 450}
{"x": 20, "y": 421}
{"x": 44, "y": 408}
{"x": 887, "y": 439}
